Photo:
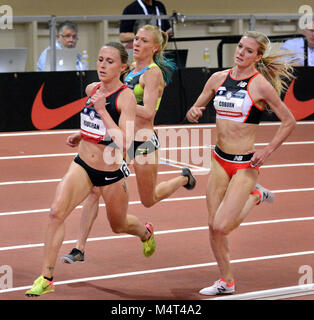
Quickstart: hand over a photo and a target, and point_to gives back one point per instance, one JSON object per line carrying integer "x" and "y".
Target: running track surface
{"x": 270, "y": 252}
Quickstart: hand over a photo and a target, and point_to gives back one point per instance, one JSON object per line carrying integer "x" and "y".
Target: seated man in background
{"x": 66, "y": 38}
{"x": 299, "y": 45}
{"x": 128, "y": 28}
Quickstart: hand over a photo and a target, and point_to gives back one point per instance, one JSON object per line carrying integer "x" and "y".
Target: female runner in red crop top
{"x": 149, "y": 44}
{"x": 241, "y": 94}
{"x": 101, "y": 116}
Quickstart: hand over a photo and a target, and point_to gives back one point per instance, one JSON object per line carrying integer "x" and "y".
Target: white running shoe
{"x": 219, "y": 287}
{"x": 266, "y": 195}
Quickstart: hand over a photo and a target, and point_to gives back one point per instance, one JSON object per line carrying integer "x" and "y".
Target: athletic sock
{"x": 49, "y": 279}
{"x": 255, "y": 191}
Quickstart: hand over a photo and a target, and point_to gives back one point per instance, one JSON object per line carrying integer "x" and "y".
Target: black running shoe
{"x": 191, "y": 180}
{"x": 74, "y": 256}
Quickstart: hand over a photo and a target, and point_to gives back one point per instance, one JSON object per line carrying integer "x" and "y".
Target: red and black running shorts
{"x": 233, "y": 162}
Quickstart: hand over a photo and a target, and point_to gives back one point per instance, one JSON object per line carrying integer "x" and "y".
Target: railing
{"x": 175, "y": 18}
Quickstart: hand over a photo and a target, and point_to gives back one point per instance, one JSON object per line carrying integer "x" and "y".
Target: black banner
{"x": 188, "y": 83}
{"x": 52, "y": 100}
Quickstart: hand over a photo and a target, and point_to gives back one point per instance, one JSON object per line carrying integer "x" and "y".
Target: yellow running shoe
{"x": 40, "y": 286}
{"x": 149, "y": 245}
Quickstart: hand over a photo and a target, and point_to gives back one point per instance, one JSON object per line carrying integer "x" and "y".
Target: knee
{"x": 55, "y": 215}
{"x": 94, "y": 194}
{"x": 91, "y": 200}
{"x": 147, "y": 204}
{"x": 117, "y": 228}
{"x": 218, "y": 230}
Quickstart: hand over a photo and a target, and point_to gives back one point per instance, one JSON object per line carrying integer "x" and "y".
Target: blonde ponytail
{"x": 167, "y": 66}
{"x": 278, "y": 72}
{"x": 274, "y": 66}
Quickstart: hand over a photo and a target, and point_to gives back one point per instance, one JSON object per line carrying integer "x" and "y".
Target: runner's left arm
{"x": 288, "y": 123}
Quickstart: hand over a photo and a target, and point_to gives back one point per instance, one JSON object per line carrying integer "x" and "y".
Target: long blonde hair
{"x": 166, "y": 65}
{"x": 274, "y": 66}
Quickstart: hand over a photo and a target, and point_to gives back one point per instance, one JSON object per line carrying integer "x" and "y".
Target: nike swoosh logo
{"x": 106, "y": 178}
{"x": 299, "y": 109}
{"x": 44, "y": 118}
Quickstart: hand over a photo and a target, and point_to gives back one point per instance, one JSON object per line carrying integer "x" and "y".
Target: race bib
{"x": 92, "y": 125}
{"x": 229, "y": 103}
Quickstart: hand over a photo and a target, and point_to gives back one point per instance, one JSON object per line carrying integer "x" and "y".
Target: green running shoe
{"x": 40, "y": 286}
{"x": 149, "y": 245}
